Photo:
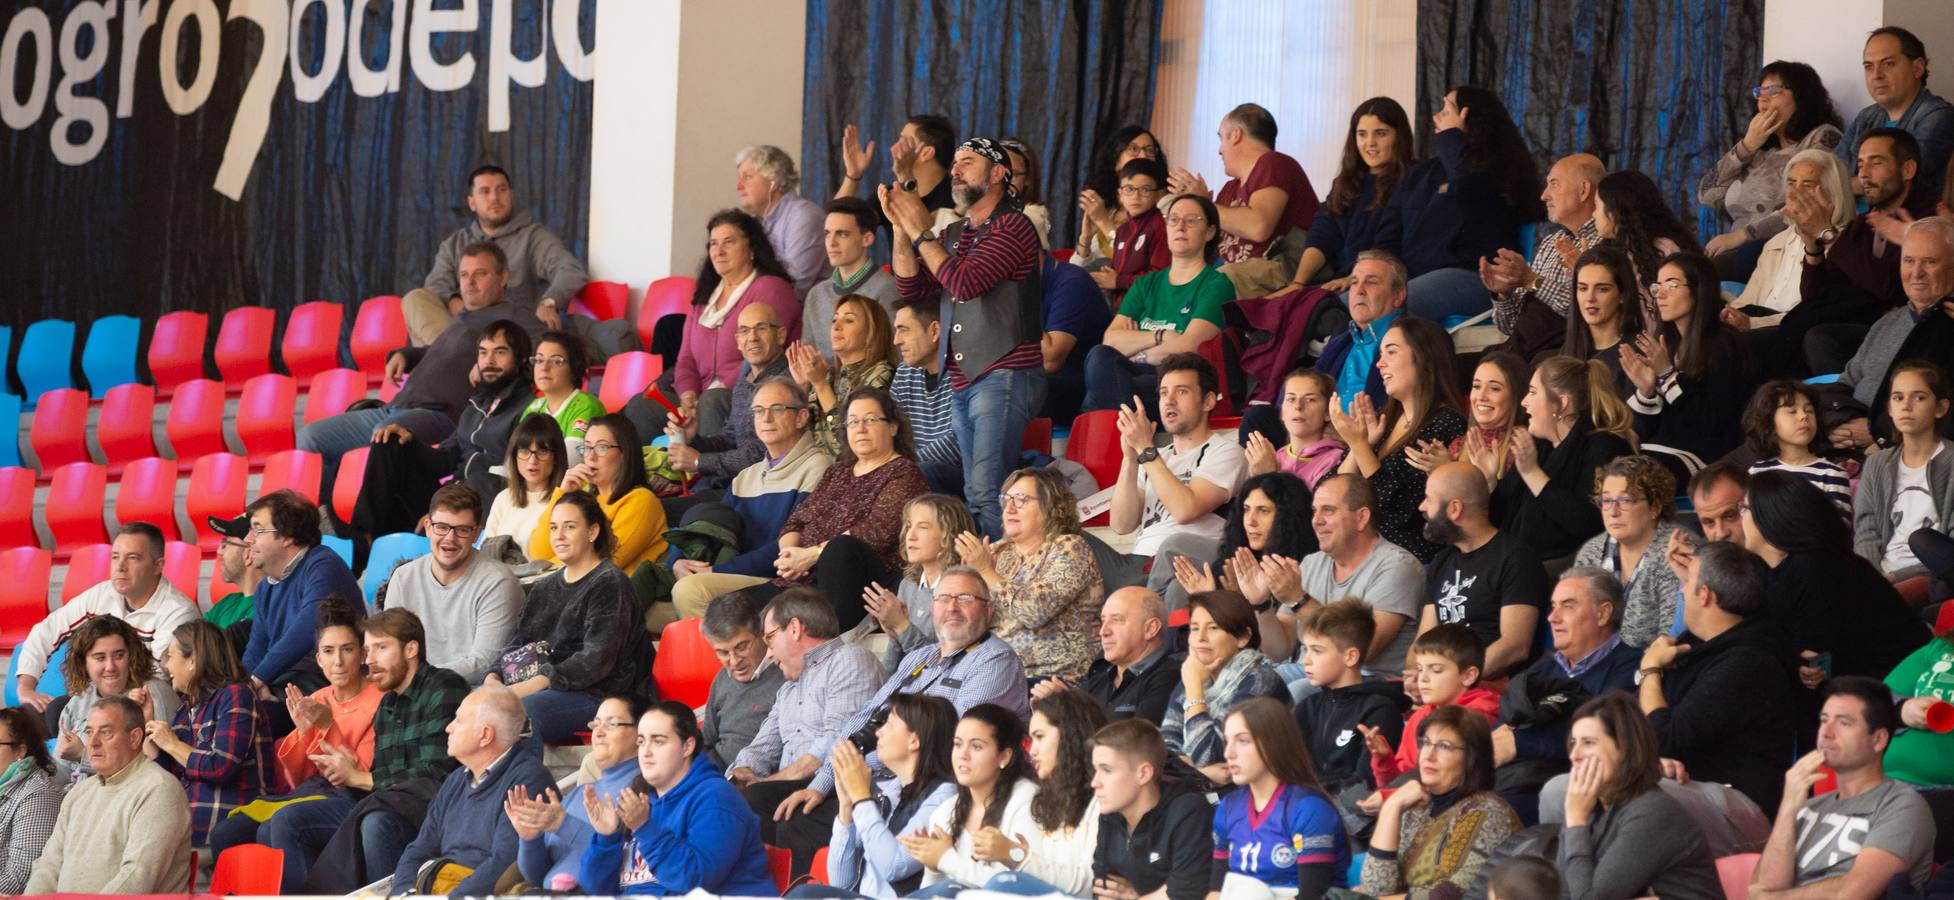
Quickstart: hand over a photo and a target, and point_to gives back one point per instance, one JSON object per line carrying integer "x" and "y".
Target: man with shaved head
{"x": 1549, "y": 280}
{"x": 1136, "y": 669}
{"x": 1483, "y": 579}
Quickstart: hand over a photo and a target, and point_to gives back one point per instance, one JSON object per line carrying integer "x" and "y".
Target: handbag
{"x": 524, "y": 662}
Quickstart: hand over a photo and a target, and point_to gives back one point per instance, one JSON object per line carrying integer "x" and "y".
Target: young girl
{"x": 994, "y": 791}
{"x": 1780, "y": 425}
{"x": 930, "y": 524}
{"x": 1313, "y": 450}
{"x": 1280, "y": 829}
{"x": 1911, "y": 486}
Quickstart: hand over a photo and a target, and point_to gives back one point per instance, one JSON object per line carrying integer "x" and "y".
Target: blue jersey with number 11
{"x": 1299, "y": 827}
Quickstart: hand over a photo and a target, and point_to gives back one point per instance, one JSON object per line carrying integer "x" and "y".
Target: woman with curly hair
{"x": 740, "y": 269}
{"x": 928, "y": 545}
{"x": 1637, "y": 498}
{"x": 1064, "y": 808}
{"x": 1262, "y": 551}
{"x": 1045, "y": 585}
{"x": 1794, "y": 113}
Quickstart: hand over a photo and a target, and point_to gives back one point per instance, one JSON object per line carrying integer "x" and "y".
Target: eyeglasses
{"x": 555, "y": 362}
{"x": 1443, "y": 746}
{"x": 1672, "y": 284}
{"x": 1151, "y": 151}
{"x": 600, "y": 449}
{"x": 260, "y": 529}
{"x": 1134, "y": 190}
{"x": 859, "y": 421}
{"x": 235, "y": 544}
{"x": 443, "y": 529}
{"x": 1015, "y": 500}
{"x": 1187, "y": 221}
{"x": 1766, "y": 90}
{"x": 536, "y": 453}
{"x": 598, "y": 725}
{"x": 960, "y": 598}
{"x": 778, "y": 409}
{"x": 1622, "y": 502}
{"x": 751, "y": 330}
{"x": 766, "y": 637}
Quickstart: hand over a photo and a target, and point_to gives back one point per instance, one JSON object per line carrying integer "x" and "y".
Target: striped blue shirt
{"x": 928, "y": 409}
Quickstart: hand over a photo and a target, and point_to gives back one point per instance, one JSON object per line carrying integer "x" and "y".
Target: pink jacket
{"x": 709, "y": 354}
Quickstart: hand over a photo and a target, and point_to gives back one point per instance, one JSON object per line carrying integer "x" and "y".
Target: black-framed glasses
{"x": 443, "y": 529}
{"x": 1134, "y": 190}
{"x": 525, "y": 454}
{"x": 599, "y": 449}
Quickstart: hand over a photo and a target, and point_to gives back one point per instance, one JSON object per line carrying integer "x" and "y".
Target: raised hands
{"x": 1135, "y": 429}
{"x": 806, "y": 364}
{"x": 1194, "y": 579}
{"x": 855, "y": 159}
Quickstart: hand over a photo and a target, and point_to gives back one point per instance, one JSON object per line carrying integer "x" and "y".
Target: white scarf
{"x": 723, "y": 300}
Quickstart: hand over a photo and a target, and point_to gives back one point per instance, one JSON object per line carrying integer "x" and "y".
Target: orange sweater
{"x": 1388, "y": 768}
{"x": 352, "y": 727}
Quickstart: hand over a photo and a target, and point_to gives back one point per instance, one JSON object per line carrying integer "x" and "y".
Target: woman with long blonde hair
{"x": 1575, "y": 424}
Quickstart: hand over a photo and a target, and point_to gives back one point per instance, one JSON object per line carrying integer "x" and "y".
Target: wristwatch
{"x": 928, "y": 234}
{"x": 1017, "y": 855}
{"x": 1146, "y": 456}
{"x": 547, "y": 303}
{"x": 907, "y": 185}
{"x": 1644, "y": 673}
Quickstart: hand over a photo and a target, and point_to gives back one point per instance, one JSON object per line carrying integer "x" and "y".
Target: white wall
{"x": 1829, "y": 36}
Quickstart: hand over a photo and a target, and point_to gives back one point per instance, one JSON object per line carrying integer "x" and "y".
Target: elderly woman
{"x": 219, "y": 742}
{"x": 865, "y": 356}
{"x": 107, "y": 658}
{"x": 1045, "y": 584}
{"x": 1637, "y": 499}
{"x": 1437, "y": 830}
{"x": 1224, "y": 667}
{"x": 740, "y": 269}
{"x": 1794, "y": 114}
{"x": 1771, "y": 309}
{"x": 30, "y": 796}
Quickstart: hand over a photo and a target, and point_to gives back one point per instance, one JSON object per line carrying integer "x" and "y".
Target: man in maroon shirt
{"x": 1266, "y": 206}
{"x": 985, "y": 271}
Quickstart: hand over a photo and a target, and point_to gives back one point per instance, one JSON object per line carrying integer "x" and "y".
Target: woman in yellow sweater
{"x": 614, "y": 466}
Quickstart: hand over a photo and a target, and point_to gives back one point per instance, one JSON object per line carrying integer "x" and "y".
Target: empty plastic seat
{"x": 265, "y": 415}
{"x": 59, "y": 431}
{"x": 331, "y": 391}
{"x": 1095, "y": 444}
{"x": 605, "y": 299}
{"x": 389, "y": 549}
{"x": 17, "y": 508}
{"x": 628, "y": 375}
{"x": 195, "y": 423}
{"x": 147, "y": 493}
{"x": 9, "y": 430}
{"x": 346, "y": 483}
{"x": 684, "y": 666}
{"x": 216, "y": 489}
{"x": 311, "y": 343}
{"x": 378, "y": 329}
{"x": 75, "y": 503}
{"x": 176, "y": 349}
{"x": 249, "y": 870}
{"x": 87, "y": 567}
{"x": 47, "y": 352}
{"x": 298, "y": 470}
{"x": 24, "y": 579}
{"x": 126, "y": 429}
{"x": 243, "y": 349}
{"x": 670, "y": 296}
{"x": 183, "y": 565}
{"x": 338, "y": 545}
{"x": 1038, "y": 436}
{"x": 108, "y": 358}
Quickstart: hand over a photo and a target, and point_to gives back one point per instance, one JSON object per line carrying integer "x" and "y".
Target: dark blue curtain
{"x": 1061, "y": 74}
{"x": 1661, "y": 86}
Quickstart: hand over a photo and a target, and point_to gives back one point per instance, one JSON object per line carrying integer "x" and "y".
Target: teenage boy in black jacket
{"x": 1333, "y": 654}
{"x": 1156, "y": 824}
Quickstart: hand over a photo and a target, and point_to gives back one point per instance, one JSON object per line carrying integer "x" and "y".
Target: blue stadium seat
{"x": 108, "y": 358}
{"x": 9, "y": 430}
{"x": 47, "y": 354}
{"x": 389, "y": 549}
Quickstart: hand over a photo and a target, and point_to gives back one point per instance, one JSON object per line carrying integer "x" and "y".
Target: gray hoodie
{"x": 539, "y": 265}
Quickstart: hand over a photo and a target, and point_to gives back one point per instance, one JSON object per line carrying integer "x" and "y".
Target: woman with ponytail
{"x": 1575, "y": 424}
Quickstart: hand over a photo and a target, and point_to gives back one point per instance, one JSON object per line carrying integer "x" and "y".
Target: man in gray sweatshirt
{"x": 468, "y": 602}
{"x": 543, "y": 275}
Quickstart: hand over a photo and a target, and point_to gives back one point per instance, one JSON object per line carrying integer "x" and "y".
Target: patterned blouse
{"x": 1399, "y": 486}
{"x": 1447, "y": 850}
{"x": 827, "y": 422}
{"x": 1048, "y": 608}
{"x": 230, "y": 754}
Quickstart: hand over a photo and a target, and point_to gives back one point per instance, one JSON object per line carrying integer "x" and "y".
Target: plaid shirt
{"x": 230, "y": 760}
{"x": 1556, "y": 285}
{"x": 28, "y": 810}
{"x": 410, "y": 738}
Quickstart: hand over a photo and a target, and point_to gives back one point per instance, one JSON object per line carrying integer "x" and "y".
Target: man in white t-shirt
{"x": 1173, "y": 495}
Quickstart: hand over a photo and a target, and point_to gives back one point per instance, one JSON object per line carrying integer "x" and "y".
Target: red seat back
{"x": 24, "y": 576}
{"x": 126, "y": 429}
{"x": 299, "y": 470}
{"x": 346, "y": 483}
{"x": 1095, "y": 444}
{"x": 87, "y": 567}
{"x": 311, "y": 343}
{"x": 331, "y": 391}
{"x": 1734, "y": 873}
{"x": 195, "y": 422}
{"x": 252, "y": 870}
{"x": 75, "y": 503}
{"x": 216, "y": 489}
{"x": 665, "y": 297}
{"x": 265, "y": 415}
{"x": 684, "y": 667}
{"x": 244, "y": 343}
{"x": 605, "y": 299}
{"x": 176, "y": 349}
{"x": 378, "y": 329}
{"x": 59, "y": 429}
{"x": 628, "y": 375}
{"x": 780, "y": 864}
{"x": 147, "y": 493}
{"x": 183, "y": 567}
{"x": 17, "y": 508}
{"x": 1212, "y": 351}
{"x": 1038, "y": 436}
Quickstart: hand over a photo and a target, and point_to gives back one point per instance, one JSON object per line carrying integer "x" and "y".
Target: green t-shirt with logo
{"x": 1154, "y": 303}
{"x": 230, "y": 610}
{"x": 1917, "y": 755}
{"x": 575, "y": 414}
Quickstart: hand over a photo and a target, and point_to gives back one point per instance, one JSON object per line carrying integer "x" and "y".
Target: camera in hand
{"x": 864, "y": 740}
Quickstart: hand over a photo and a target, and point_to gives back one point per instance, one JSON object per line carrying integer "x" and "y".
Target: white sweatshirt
{"x": 155, "y": 621}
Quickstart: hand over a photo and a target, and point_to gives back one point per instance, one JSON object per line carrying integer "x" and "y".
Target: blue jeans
{"x": 1440, "y": 293}
{"x": 332, "y": 436}
{"x": 1112, "y": 380}
{"x": 384, "y": 836}
{"x": 554, "y": 716}
{"x": 300, "y": 831}
{"x": 989, "y": 418}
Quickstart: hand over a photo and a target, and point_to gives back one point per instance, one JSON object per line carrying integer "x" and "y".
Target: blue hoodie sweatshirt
{"x": 701, "y": 834}
{"x": 560, "y": 852}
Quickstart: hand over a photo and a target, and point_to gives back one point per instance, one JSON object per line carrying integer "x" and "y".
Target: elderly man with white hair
{"x": 1914, "y": 330}
{"x": 465, "y": 828}
{"x": 767, "y": 183}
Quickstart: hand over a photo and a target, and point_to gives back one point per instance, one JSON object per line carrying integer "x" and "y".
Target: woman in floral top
{"x": 1045, "y": 585}
{"x": 865, "y": 356}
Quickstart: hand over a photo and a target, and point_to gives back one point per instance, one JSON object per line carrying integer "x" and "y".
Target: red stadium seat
{"x": 311, "y": 343}
{"x": 75, "y": 502}
{"x": 17, "y": 508}
{"x": 1944, "y": 619}
{"x": 605, "y": 299}
{"x": 244, "y": 343}
{"x": 24, "y": 576}
{"x": 346, "y": 484}
{"x": 818, "y": 869}
{"x": 1038, "y": 436}
{"x": 59, "y": 429}
{"x": 780, "y": 864}
{"x": 126, "y": 429}
{"x": 87, "y": 567}
{"x": 176, "y": 349}
{"x": 148, "y": 494}
{"x": 216, "y": 489}
{"x": 1212, "y": 351}
{"x": 299, "y": 470}
{"x": 183, "y": 567}
{"x": 1095, "y": 444}
{"x": 378, "y": 329}
{"x": 685, "y": 666}
{"x": 332, "y": 391}
{"x": 670, "y": 296}
{"x": 252, "y": 870}
{"x": 195, "y": 422}
{"x": 265, "y": 415}
{"x": 1734, "y": 872}
{"x": 628, "y": 375}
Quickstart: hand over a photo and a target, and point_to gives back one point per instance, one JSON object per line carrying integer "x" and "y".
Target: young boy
{"x": 1333, "y": 652}
{"x": 1140, "y": 245}
{"x": 1154, "y": 833}
{"x": 1449, "y": 658}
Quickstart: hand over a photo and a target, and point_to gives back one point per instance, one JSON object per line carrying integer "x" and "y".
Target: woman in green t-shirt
{"x": 1173, "y": 310}
{"x": 558, "y": 367}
